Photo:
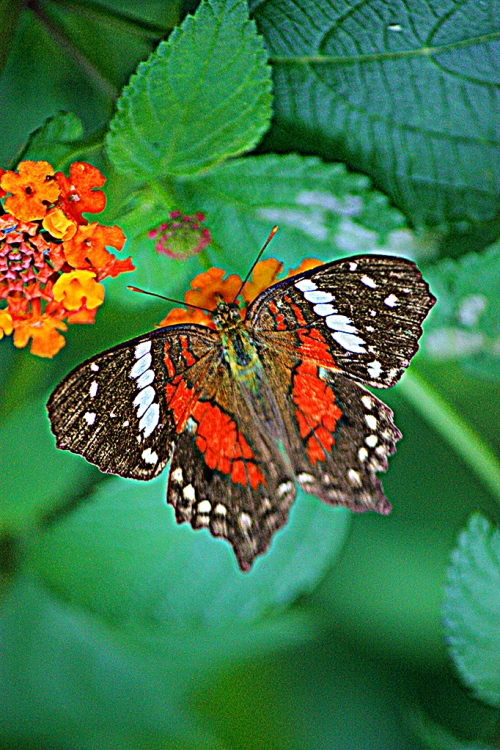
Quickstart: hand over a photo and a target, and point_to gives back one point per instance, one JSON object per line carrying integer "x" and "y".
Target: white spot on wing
{"x": 245, "y": 521}
{"x": 93, "y": 389}
{"x": 284, "y": 488}
{"x": 142, "y": 348}
{"x": 341, "y": 323}
{"x": 318, "y": 296}
{"x": 367, "y": 402}
{"x": 354, "y": 477}
{"x": 324, "y": 310}
{"x": 306, "y": 285}
{"x": 367, "y": 281}
{"x": 350, "y": 342}
{"x": 89, "y": 417}
{"x": 371, "y": 441}
{"x": 220, "y": 509}
{"x": 145, "y": 379}
{"x": 353, "y": 266}
{"x": 150, "y": 419}
{"x": 391, "y": 300}
{"x": 203, "y": 507}
{"x": 305, "y": 478}
{"x": 150, "y": 457}
{"x": 143, "y": 399}
{"x": 140, "y": 366}
{"x": 374, "y": 368}
{"x": 371, "y": 421}
{"x": 94, "y": 367}
{"x": 362, "y": 454}
{"x": 126, "y": 423}
{"x": 177, "y": 476}
{"x": 189, "y": 493}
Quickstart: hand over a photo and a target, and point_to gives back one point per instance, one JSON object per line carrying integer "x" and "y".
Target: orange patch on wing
{"x": 186, "y": 354}
{"x": 317, "y": 414}
{"x": 224, "y": 447}
{"x": 182, "y": 401}
{"x": 168, "y": 361}
{"x": 279, "y": 317}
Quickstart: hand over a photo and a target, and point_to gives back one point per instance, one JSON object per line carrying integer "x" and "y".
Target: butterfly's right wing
{"x": 113, "y": 408}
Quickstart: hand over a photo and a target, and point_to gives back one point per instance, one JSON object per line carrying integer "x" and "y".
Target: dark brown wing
{"x": 366, "y": 313}
{"x": 112, "y": 409}
{"x": 227, "y": 472}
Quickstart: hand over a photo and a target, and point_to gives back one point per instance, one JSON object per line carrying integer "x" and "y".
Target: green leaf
{"x": 321, "y": 210}
{"x": 122, "y": 554}
{"x": 203, "y": 96}
{"x": 67, "y": 680}
{"x": 406, "y": 92}
{"x": 436, "y": 737}
{"x": 55, "y": 141}
{"x": 465, "y": 323}
{"x": 35, "y": 475}
{"x": 472, "y": 608}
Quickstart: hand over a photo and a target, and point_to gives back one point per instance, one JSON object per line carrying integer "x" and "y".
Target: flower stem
{"x": 467, "y": 443}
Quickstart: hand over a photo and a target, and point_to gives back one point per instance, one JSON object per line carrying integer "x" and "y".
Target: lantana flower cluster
{"x": 52, "y": 259}
{"x": 208, "y": 288}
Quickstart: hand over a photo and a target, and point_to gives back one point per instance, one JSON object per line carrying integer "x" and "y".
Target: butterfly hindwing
{"x": 365, "y": 311}
{"x": 112, "y": 408}
{"x": 227, "y": 472}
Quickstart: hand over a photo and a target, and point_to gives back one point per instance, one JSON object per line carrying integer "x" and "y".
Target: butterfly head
{"x": 227, "y": 315}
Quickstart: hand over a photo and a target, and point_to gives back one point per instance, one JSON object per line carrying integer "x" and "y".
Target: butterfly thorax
{"x": 238, "y": 347}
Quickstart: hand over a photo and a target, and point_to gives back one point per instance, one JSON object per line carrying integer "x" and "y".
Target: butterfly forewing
{"x": 367, "y": 311}
{"x": 112, "y": 408}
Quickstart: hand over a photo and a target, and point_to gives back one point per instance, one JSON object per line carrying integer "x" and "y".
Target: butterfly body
{"x": 248, "y": 408}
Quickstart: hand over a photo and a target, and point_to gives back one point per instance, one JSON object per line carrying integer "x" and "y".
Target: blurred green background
{"x": 119, "y": 629}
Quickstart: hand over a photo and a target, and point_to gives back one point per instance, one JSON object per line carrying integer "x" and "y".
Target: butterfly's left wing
{"x": 112, "y": 409}
{"x": 227, "y": 473}
{"x": 361, "y": 316}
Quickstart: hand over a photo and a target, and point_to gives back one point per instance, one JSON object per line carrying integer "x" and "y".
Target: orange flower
{"x": 306, "y": 265}
{"x": 44, "y": 332}
{"x": 78, "y": 288}
{"x": 6, "y": 325}
{"x": 38, "y": 279}
{"x": 264, "y": 275}
{"x": 2, "y": 192}
{"x": 33, "y": 188}
{"x": 88, "y": 246}
{"x": 77, "y": 192}
{"x": 58, "y": 224}
{"x": 179, "y": 315}
{"x": 210, "y": 287}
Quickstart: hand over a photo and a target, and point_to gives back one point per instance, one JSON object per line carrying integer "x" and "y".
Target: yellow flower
{"x": 78, "y": 288}
{"x": 5, "y": 323}
{"x": 58, "y": 224}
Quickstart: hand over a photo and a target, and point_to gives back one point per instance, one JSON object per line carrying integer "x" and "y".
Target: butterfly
{"x": 248, "y": 410}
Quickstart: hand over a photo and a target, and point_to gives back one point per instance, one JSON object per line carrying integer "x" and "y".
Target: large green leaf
{"x": 465, "y": 323}
{"x": 202, "y": 96}
{"x": 67, "y": 680}
{"x": 123, "y": 555}
{"x": 56, "y": 141}
{"x": 35, "y": 476}
{"x": 472, "y": 608}
{"x": 321, "y": 209}
{"x": 407, "y": 92}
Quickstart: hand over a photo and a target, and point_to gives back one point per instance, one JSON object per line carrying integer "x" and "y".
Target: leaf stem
{"x": 467, "y": 443}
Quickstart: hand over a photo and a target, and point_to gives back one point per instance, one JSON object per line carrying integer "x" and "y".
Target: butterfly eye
{"x": 235, "y": 313}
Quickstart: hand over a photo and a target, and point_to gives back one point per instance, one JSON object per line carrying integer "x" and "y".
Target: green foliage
{"x": 202, "y": 96}
{"x": 414, "y": 87}
{"x": 465, "y": 324}
{"x": 123, "y": 555}
{"x": 472, "y": 608}
{"x": 121, "y": 629}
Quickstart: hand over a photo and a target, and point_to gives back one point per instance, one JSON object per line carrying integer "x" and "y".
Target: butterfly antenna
{"x": 169, "y": 299}
{"x": 266, "y": 243}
